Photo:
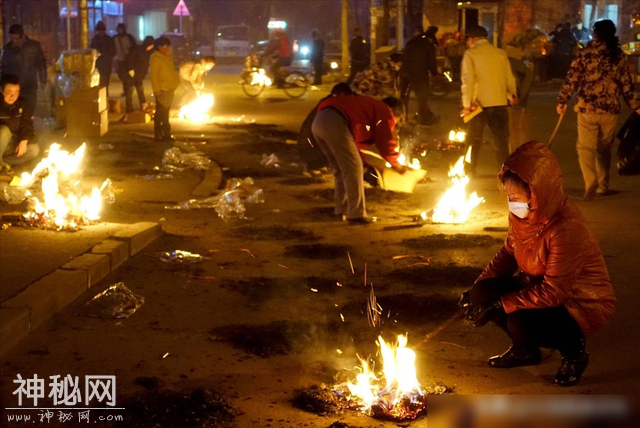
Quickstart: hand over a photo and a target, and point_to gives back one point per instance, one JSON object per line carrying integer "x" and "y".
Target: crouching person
{"x": 548, "y": 286}
{"x": 17, "y": 143}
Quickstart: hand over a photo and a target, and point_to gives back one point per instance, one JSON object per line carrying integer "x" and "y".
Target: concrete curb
{"x": 25, "y": 312}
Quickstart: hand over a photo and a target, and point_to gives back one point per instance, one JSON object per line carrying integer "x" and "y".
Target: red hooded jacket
{"x": 559, "y": 258}
{"x": 371, "y": 123}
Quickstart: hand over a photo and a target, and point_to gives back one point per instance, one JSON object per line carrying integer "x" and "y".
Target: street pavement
{"x": 261, "y": 318}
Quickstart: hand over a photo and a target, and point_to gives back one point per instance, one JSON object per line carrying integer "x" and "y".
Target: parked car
{"x": 232, "y": 41}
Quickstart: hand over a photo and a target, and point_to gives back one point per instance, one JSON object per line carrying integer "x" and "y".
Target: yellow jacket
{"x": 163, "y": 73}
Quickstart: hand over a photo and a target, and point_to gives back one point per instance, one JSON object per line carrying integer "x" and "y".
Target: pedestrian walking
{"x": 192, "y": 77}
{"x": 124, "y": 46}
{"x": 17, "y": 144}
{"x": 380, "y": 79}
{"x": 359, "y": 54}
{"x": 317, "y": 57}
{"x": 105, "y": 46}
{"x": 164, "y": 81}
{"x": 419, "y": 62}
{"x": 548, "y": 286}
{"x": 487, "y": 81}
{"x": 138, "y": 65}
{"x": 599, "y": 75}
{"x": 23, "y": 57}
{"x": 345, "y": 124}
{"x": 564, "y": 45}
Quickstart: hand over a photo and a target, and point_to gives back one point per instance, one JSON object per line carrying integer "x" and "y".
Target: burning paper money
{"x": 198, "y": 110}
{"x": 61, "y": 202}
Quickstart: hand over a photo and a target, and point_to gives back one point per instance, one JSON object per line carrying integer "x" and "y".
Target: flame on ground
{"x": 198, "y": 110}
{"x": 63, "y": 204}
{"x": 259, "y": 77}
{"x": 402, "y": 160}
{"x": 457, "y": 136}
{"x": 395, "y": 391}
{"x": 455, "y": 206}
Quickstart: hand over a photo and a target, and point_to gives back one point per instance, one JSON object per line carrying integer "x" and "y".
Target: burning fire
{"x": 198, "y": 109}
{"x": 64, "y": 204}
{"x": 395, "y": 391}
{"x": 455, "y": 206}
{"x": 402, "y": 160}
{"x": 260, "y": 78}
{"x": 457, "y": 136}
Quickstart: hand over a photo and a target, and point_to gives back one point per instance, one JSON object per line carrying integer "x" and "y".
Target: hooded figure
{"x": 561, "y": 291}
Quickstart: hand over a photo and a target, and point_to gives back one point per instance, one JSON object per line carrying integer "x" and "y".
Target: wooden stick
{"x": 555, "y": 131}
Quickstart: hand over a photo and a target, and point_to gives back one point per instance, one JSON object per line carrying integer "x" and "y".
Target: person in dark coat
{"x": 359, "y": 52}
{"x": 23, "y": 57}
{"x": 107, "y": 50}
{"x": 317, "y": 57}
{"x": 17, "y": 144}
{"x": 419, "y": 56}
{"x": 139, "y": 65}
{"x": 582, "y": 35}
{"x": 564, "y": 44}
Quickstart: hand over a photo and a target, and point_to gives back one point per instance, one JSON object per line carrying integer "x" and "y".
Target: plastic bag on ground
{"x": 16, "y": 194}
{"x": 116, "y": 301}
{"x": 193, "y": 204}
{"x": 174, "y": 157}
{"x": 182, "y": 257}
{"x": 270, "y": 160}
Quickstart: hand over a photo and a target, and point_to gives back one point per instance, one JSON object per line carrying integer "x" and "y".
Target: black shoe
{"x": 571, "y": 369}
{"x": 516, "y": 357}
{"x": 360, "y": 221}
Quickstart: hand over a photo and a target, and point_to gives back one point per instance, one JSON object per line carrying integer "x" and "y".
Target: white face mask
{"x": 519, "y": 209}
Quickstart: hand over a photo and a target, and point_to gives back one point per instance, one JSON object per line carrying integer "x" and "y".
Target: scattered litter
{"x": 277, "y": 211}
{"x": 338, "y": 284}
{"x": 182, "y": 257}
{"x": 165, "y": 355}
{"x": 116, "y": 301}
{"x": 270, "y": 160}
{"x": 290, "y": 142}
{"x": 162, "y": 219}
{"x": 6, "y": 226}
{"x": 427, "y": 263}
{"x": 342, "y": 317}
{"x": 284, "y": 267}
{"x": 16, "y": 194}
{"x": 312, "y": 289}
{"x": 408, "y": 257}
{"x": 246, "y": 250}
{"x": 159, "y": 176}
{"x": 174, "y": 157}
{"x": 105, "y": 146}
{"x": 351, "y": 263}
{"x": 339, "y": 351}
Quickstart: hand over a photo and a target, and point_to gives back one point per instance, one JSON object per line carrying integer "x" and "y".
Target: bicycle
{"x": 296, "y": 83}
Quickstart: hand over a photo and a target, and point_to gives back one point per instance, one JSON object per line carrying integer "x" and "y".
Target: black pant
{"x": 138, "y": 83}
{"x": 161, "y": 126}
{"x": 421, "y": 88}
{"x": 497, "y": 118}
{"x": 551, "y": 328}
{"x": 356, "y": 67}
{"x": 127, "y": 85}
{"x": 275, "y": 70}
{"x": 30, "y": 94}
{"x": 317, "y": 73}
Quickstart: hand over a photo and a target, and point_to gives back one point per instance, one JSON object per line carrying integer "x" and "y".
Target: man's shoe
{"x": 607, "y": 192}
{"x": 571, "y": 369}
{"x": 516, "y": 357}
{"x": 360, "y": 221}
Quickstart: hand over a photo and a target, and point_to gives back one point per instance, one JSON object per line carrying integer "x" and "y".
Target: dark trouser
{"x": 421, "y": 88}
{"x": 551, "y": 328}
{"x": 317, "y": 73}
{"x": 456, "y": 67}
{"x": 104, "y": 66}
{"x": 138, "y": 83}
{"x": 8, "y": 145}
{"x": 497, "y": 118}
{"x": 127, "y": 85}
{"x": 29, "y": 91}
{"x": 524, "y": 78}
{"x": 161, "y": 126}
{"x": 356, "y": 67}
